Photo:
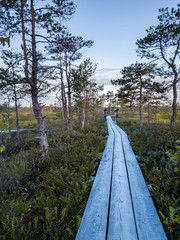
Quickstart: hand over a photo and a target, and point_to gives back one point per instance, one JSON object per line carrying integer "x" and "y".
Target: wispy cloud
{"x": 105, "y": 70}
{"x": 105, "y": 75}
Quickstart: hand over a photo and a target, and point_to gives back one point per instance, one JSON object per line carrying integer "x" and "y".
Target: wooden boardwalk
{"x": 119, "y": 206}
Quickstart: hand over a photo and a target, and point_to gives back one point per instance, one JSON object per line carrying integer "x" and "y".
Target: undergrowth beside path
{"x": 45, "y": 198}
{"x": 158, "y": 152}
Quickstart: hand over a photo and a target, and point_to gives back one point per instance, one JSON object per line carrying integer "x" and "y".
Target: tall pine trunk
{"x": 64, "y": 100}
{"x": 70, "y": 108}
{"x": 140, "y": 103}
{"x": 33, "y": 80}
{"x": 87, "y": 108}
{"x": 83, "y": 110}
{"x": 84, "y": 115}
{"x": 17, "y": 114}
{"x": 68, "y": 77}
{"x": 37, "y": 109}
{"x": 174, "y": 106}
{"x": 34, "y": 90}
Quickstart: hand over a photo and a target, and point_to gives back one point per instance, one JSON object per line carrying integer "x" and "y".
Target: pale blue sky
{"x": 114, "y": 26}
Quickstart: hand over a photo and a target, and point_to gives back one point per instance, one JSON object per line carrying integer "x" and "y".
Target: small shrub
{"x": 44, "y": 198}
{"x": 157, "y": 149}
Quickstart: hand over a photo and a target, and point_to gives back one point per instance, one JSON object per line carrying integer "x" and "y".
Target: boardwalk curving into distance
{"x": 119, "y": 206}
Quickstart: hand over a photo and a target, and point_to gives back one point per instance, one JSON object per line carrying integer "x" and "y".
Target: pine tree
{"x": 163, "y": 42}
{"x": 35, "y": 26}
{"x": 135, "y": 79}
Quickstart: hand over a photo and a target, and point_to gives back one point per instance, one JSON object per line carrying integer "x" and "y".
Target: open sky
{"x": 114, "y": 26}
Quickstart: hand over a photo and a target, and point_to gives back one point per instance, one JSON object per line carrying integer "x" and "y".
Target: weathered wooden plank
{"x": 94, "y": 222}
{"x": 147, "y": 220}
{"x": 121, "y": 218}
{"x": 131, "y": 213}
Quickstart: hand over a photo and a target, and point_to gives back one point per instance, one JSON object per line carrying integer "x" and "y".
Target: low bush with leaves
{"x": 158, "y": 153}
{"x": 45, "y": 198}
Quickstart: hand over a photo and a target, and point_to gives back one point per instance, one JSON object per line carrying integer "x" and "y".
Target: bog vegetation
{"x": 44, "y": 198}
{"x": 49, "y": 155}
